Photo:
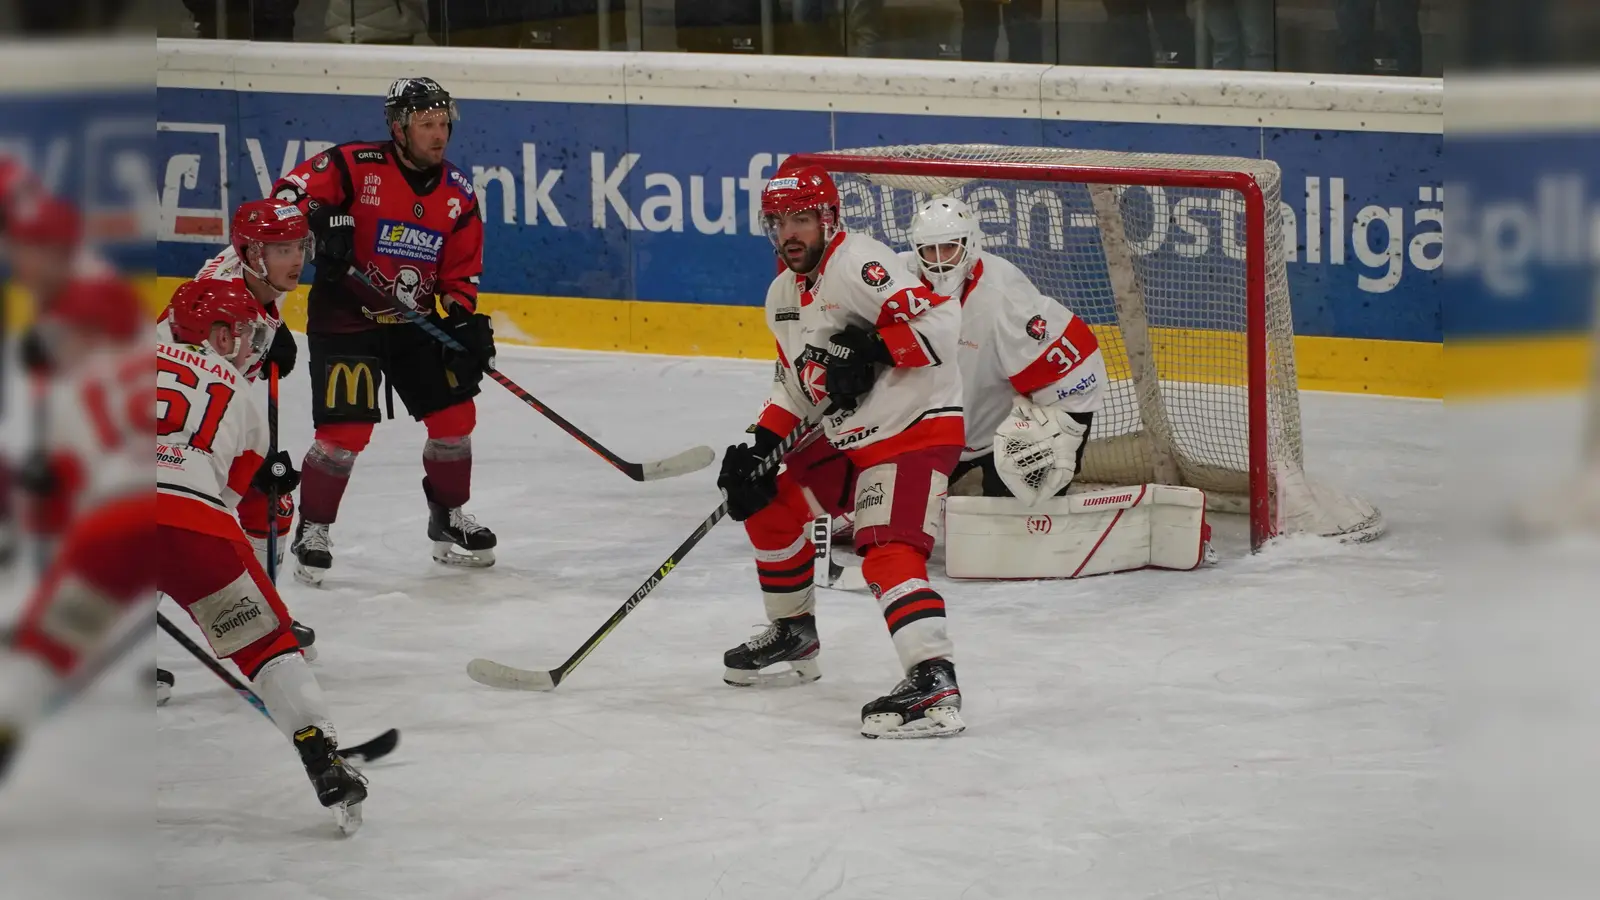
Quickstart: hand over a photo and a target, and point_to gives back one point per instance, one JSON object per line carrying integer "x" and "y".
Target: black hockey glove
{"x": 854, "y": 355}
{"x": 37, "y": 475}
{"x": 282, "y": 353}
{"x": 336, "y": 243}
{"x": 748, "y": 494}
{"x": 475, "y": 333}
{"x": 34, "y": 350}
{"x": 277, "y": 473}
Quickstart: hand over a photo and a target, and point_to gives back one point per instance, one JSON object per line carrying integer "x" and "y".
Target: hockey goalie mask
{"x": 273, "y": 240}
{"x": 946, "y": 238}
{"x": 800, "y": 211}
{"x": 198, "y": 306}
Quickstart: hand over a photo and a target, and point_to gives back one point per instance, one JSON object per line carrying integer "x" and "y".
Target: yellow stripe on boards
{"x": 1486, "y": 368}
{"x": 1350, "y": 365}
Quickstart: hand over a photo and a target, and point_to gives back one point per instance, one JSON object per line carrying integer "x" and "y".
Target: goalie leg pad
{"x": 1091, "y": 533}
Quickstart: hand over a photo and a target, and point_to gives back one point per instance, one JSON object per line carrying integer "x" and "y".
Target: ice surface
{"x": 1264, "y": 729}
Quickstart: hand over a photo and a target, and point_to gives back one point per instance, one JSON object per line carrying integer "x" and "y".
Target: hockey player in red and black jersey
{"x": 402, "y": 215}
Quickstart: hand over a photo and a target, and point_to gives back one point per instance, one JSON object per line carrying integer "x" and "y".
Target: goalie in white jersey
{"x": 1033, "y": 377}
{"x": 1032, "y": 372}
{"x": 211, "y": 450}
{"x": 869, "y": 352}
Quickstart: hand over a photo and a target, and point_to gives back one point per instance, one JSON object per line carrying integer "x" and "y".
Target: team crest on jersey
{"x": 1038, "y": 329}
{"x": 813, "y": 375}
{"x": 874, "y": 274}
{"x": 320, "y": 164}
{"x": 408, "y": 285}
{"x": 404, "y": 240}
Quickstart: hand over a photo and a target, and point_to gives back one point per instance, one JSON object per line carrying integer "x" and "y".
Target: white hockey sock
{"x": 914, "y": 612}
{"x": 26, "y": 685}
{"x": 293, "y": 697}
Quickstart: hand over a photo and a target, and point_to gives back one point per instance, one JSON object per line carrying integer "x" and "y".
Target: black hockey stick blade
{"x": 497, "y": 675}
{"x": 372, "y": 750}
{"x": 692, "y": 460}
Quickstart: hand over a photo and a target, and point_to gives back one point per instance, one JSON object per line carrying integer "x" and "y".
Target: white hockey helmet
{"x": 941, "y": 221}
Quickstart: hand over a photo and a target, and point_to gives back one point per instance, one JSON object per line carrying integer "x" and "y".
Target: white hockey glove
{"x": 1036, "y": 450}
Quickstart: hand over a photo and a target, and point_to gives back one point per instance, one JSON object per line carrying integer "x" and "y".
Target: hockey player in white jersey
{"x": 86, "y": 484}
{"x": 211, "y": 446}
{"x": 1032, "y": 372}
{"x": 270, "y": 242}
{"x": 868, "y": 351}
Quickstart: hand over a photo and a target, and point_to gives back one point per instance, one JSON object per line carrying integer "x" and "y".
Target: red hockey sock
{"x": 447, "y": 463}
{"x": 322, "y": 484}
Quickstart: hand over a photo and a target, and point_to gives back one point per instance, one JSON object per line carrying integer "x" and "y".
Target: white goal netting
{"x": 1159, "y": 267}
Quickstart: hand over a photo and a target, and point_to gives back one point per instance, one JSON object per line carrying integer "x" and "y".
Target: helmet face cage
{"x": 945, "y": 220}
{"x": 770, "y": 220}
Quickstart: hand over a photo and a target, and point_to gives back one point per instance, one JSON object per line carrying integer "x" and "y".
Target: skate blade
{"x": 800, "y": 671}
{"x": 347, "y": 816}
{"x": 938, "y": 722}
{"x": 447, "y": 553}
{"x": 308, "y": 575}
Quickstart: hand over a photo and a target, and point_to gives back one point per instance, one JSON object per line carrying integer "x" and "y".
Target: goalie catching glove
{"x": 1036, "y": 450}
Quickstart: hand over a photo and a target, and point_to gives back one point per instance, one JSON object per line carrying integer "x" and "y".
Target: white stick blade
{"x": 493, "y": 674}
{"x": 691, "y": 460}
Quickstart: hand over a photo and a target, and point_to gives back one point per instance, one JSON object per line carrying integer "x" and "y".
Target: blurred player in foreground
{"x": 870, "y": 351}
{"x": 89, "y": 483}
{"x": 211, "y": 451}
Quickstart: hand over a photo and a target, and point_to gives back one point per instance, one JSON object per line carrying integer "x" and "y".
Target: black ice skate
{"x": 792, "y": 640}
{"x": 306, "y": 638}
{"x": 926, "y": 704}
{"x": 164, "y": 682}
{"x": 339, "y": 787}
{"x": 313, "y": 552}
{"x": 458, "y": 539}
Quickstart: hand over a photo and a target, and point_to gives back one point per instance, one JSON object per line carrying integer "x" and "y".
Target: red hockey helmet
{"x": 101, "y": 305}
{"x": 798, "y": 189}
{"x": 43, "y": 220}
{"x": 270, "y": 221}
{"x": 199, "y": 305}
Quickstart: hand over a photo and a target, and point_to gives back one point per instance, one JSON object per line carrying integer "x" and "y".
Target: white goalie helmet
{"x": 948, "y": 228}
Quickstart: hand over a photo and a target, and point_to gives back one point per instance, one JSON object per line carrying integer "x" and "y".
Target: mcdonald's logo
{"x": 353, "y": 375}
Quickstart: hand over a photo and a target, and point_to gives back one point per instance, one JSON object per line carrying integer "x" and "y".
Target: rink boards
{"x": 619, "y": 189}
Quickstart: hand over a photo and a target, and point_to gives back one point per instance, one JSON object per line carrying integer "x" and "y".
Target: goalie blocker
{"x": 1091, "y": 533}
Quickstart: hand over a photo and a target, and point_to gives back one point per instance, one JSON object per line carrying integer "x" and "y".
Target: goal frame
{"x": 1263, "y": 523}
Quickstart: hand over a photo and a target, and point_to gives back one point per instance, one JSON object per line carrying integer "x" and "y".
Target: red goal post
{"x": 1195, "y": 322}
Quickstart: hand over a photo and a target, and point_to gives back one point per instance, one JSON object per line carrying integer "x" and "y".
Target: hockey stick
{"x": 272, "y": 450}
{"x": 692, "y": 460}
{"x": 377, "y": 748}
{"x": 493, "y": 674}
{"x": 829, "y": 573}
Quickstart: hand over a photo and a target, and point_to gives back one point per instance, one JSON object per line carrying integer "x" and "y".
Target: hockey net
{"x": 1175, "y": 263}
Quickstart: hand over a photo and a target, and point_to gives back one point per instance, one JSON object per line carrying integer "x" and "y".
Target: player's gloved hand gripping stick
{"x": 691, "y": 460}
{"x": 493, "y": 674}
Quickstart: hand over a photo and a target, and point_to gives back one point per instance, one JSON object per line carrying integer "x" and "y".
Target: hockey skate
{"x": 313, "y": 552}
{"x": 458, "y": 539}
{"x": 306, "y": 638}
{"x": 339, "y": 786}
{"x": 164, "y": 682}
{"x": 926, "y": 704}
{"x": 792, "y": 640}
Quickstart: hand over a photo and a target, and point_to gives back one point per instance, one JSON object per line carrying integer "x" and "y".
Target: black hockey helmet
{"x": 413, "y": 95}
